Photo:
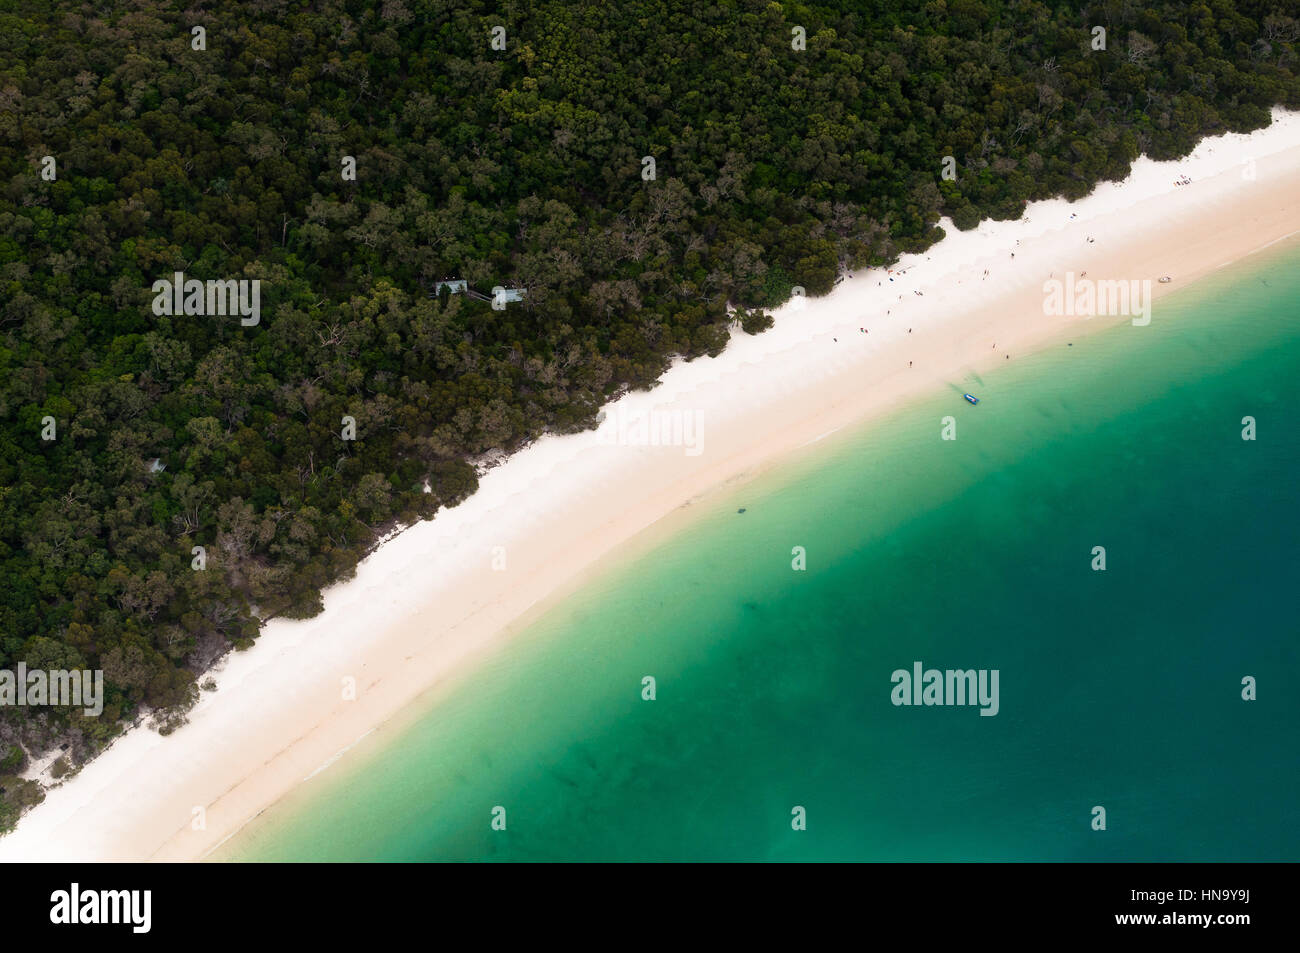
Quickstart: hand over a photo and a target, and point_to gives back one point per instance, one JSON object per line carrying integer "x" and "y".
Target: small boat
{"x": 1165, "y": 279}
{"x": 973, "y": 400}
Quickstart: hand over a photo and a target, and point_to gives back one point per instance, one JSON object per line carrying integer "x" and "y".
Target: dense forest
{"x": 781, "y": 157}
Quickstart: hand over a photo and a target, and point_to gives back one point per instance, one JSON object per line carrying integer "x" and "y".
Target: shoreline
{"x": 380, "y": 742}
{"x": 428, "y": 605}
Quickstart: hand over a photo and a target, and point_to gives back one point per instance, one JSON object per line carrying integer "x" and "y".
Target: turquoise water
{"x": 1119, "y": 688}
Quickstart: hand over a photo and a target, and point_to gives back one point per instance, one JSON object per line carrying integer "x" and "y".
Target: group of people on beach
{"x": 1183, "y": 180}
{"x": 891, "y": 272}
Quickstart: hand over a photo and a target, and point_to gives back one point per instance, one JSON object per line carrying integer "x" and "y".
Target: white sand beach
{"x": 433, "y": 601}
